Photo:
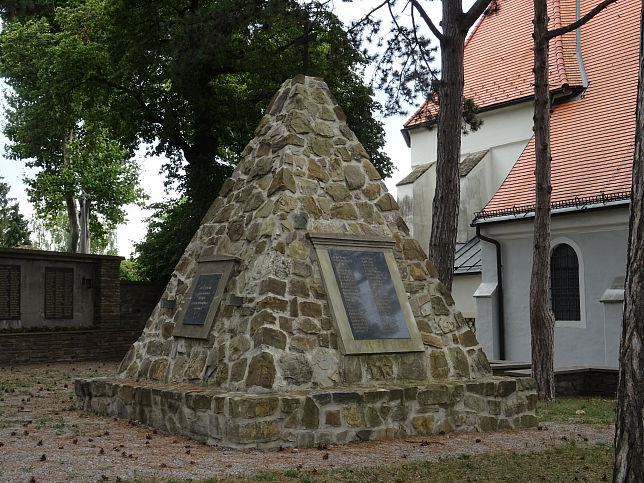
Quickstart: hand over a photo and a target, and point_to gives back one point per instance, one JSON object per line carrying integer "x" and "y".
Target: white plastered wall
{"x": 601, "y": 238}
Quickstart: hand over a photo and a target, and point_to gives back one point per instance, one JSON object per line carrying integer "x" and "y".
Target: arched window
{"x": 564, "y": 283}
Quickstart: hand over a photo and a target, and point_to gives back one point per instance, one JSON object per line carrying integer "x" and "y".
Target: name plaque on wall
{"x": 9, "y": 292}
{"x": 201, "y": 299}
{"x": 199, "y": 310}
{"x": 366, "y": 295}
{"x": 59, "y": 293}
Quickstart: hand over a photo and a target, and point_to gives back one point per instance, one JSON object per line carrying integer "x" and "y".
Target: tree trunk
{"x": 541, "y": 318}
{"x": 629, "y": 428}
{"x": 70, "y": 202}
{"x": 450, "y": 119}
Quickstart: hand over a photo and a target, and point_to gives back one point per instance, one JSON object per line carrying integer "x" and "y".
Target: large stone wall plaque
{"x": 9, "y": 292}
{"x": 366, "y": 294}
{"x": 199, "y": 309}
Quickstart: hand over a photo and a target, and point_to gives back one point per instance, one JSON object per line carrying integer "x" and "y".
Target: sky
{"x": 134, "y": 229}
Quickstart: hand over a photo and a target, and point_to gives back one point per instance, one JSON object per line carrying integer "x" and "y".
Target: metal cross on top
{"x": 304, "y": 40}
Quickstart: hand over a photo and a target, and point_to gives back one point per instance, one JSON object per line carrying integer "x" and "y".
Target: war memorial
{"x": 302, "y": 313}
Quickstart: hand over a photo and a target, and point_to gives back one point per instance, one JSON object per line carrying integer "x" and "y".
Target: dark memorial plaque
{"x": 368, "y": 295}
{"x": 59, "y": 293}
{"x": 201, "y": 299}
{"x": 198, "y": 309}
{"x": 9, "y": 292}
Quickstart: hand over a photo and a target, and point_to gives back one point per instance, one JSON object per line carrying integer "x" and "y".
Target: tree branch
{"x": 366, "y": 17}
{"x": 575, "y": 25}
{"x": 437, "y": 33}
{"x": 474, "y": 13}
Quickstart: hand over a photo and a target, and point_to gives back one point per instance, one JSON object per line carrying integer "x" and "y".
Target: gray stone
{"x": 296, "y": 369}
{"x": 261, "y": 371}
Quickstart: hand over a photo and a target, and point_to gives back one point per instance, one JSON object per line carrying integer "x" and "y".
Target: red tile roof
{"x": 498, "y": 56}
{"x": 592, "y": 139}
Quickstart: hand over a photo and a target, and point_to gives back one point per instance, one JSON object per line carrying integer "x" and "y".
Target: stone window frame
{"x": 581, "y": 323}
{"x": 323, "y": 242}
{"x": 14, "y": 268}
{"x": 222, "y": 265}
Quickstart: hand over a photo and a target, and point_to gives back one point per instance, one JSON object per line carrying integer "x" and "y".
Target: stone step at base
{"x": 338, "y": 415}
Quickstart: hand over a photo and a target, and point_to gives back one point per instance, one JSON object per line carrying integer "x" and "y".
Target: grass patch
{"x": 581, "y": 410}
{"x": 570, "y": 463}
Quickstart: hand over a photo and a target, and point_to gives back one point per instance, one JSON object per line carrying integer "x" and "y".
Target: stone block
{"x": 252, "y": 432}
{"x": 526, "y": 384}
{"x": 354, "y": 176}
{"x": 157, "y": 369}
{"x": 460, "y": 362}
{"x": 438, "y": 367}
{"x": 269, "y": 336}
{"x": 249, "y": 407}
{"x": 310, "y": 309}
{"x": 261, "y": 371}
{"x": 296, "y": 369}
{"x": 198, "y": 401}
{"x": 352, "y": 416}
{"x": 273, "y": 286}
{"x": 238, "y": 370}
{"x": 506, "y": 387}
{"x": 346, "y": 397}
{"x": 475, "y": 403}
{"x": 310, "y": 414}
{"x": 488, "y": 423}
{"x": 332, "y": 418}
{"x": 338, "y": 192}
{"x": 433, "y": 394}
{"x": 237, "y": 346}
{"x": 372, "y": 418}
{"x": 423, "y": 425}
{"x": 467, "y": 339}
{"x": 399, "y": 413}
{"x": 344, "y": 211}
{"x": 315, "y": 171}
{"x": 273, "y": 303}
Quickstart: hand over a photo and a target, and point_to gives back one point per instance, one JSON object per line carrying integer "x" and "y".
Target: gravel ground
{"x": 43, "y": 437}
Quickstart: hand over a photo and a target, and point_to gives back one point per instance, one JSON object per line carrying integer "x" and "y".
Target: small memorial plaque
{"x": 9, "y": 292}
{"x": 368, "y": 295}
{"x": 59, "y": 293}
{"x": 367, "y": 298}
{"x": 199, "y": 308}
{"x": 201, "y": 299}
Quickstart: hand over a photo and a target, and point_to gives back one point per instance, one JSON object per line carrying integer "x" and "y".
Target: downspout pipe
{"x": 499, "y": 278}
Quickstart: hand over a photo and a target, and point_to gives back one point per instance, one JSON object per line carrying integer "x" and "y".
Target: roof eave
{"x": 554, "y": 212}
{"x": 561, "y": 93}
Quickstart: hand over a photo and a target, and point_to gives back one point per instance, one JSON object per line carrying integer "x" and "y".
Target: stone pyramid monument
{"x": 302, "y": 312}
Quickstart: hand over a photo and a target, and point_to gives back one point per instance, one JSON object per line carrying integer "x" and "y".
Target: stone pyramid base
{"x": 317, "y": 417}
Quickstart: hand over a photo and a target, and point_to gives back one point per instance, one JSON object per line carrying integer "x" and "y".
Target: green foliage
{"x": 130, "y": 270}
{"x": 55, "y": 123}
{"x": 169, "y": 229}
{"x": 14, "y": 229}
{"x": 193, "y": 78}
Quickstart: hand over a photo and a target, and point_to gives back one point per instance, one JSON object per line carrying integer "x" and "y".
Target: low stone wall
{"x": 305, "y": 419}
{"x": 33, "y": 347}
{"x": 581, "y": 380}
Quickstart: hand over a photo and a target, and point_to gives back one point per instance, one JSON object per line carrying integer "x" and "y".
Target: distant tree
{"x": 629, "y": 428}
{"x": 193, "y": 77}
{"x": 14, "y": 229}
{"x": 55, "y": 123}
{"x": 52, "y": 234}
